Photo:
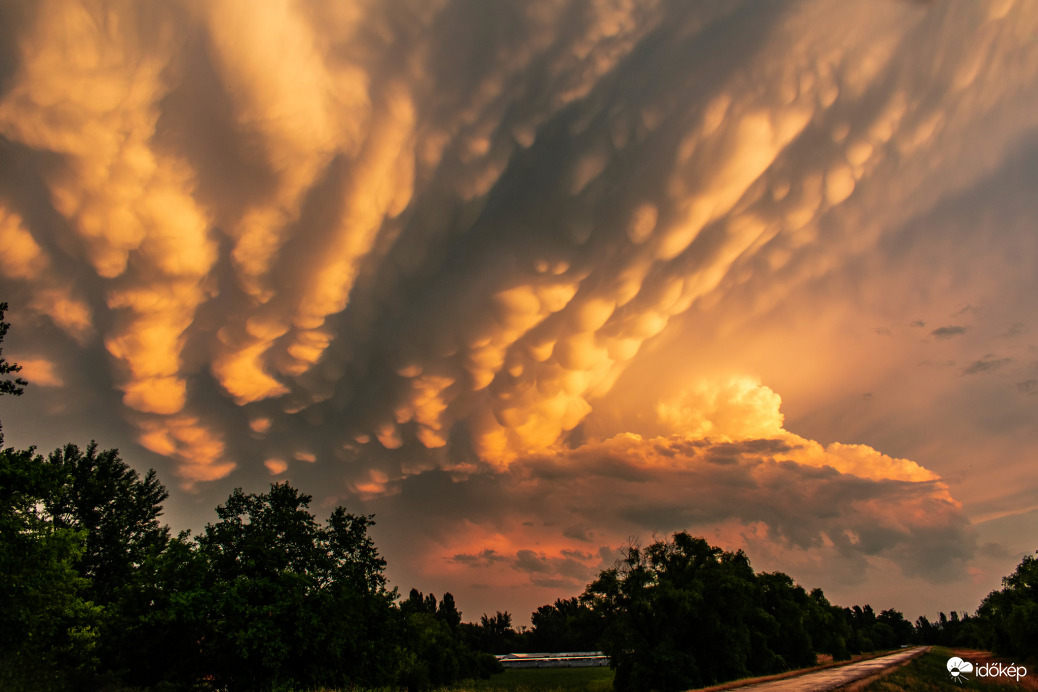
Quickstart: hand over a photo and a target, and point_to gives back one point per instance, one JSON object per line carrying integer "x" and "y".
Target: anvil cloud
{"x": 525, "y": 279}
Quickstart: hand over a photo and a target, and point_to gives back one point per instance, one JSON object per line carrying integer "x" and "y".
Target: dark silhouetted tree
{"x": 448, "y": 612}
{"x": 290, "y": 602}
{"x": 1010, "y": 616}
{"x": 48, "y": 626}
{"x": 566, "y": 625}
{"x": 680, "y": 614}
{"x": 435, "y": 650}
{"x": 13, "y": 386}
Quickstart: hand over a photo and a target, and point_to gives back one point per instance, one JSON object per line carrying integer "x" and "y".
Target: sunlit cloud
{"x": 40, "y": 371}
{"x": 587, "y": 269}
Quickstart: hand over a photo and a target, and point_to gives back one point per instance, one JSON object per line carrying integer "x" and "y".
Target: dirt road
{"x": 832, "y": 678}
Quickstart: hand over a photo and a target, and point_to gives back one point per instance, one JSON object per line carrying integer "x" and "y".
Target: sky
{"x": 531, "y": 280}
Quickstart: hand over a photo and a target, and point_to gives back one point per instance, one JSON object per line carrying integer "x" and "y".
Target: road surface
{"x": 831, "y": 678}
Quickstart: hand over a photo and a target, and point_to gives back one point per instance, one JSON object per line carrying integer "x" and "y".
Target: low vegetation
{"x": 930, "y": 672}
{"x": 545, "y": 680}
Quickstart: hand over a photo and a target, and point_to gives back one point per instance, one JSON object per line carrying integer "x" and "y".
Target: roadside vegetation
{"x": 98, "y": 594}
{"x": 930, "y": 672}
{"x": 544, "y": 680}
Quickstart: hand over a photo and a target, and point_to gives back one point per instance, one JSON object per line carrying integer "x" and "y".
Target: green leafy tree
{"x": 827, "y": 626}
{"x": 789, "y": 606}
{"x": 903, "y": 632}
{"x": 448, "y": 612}
{"x": 161, "y": 646}
{"x": 98, "y": 494}
{"x": 291, "y": 602}
{"x": 436, "y": 648}
{"x": 1011, "y": 614}
{"x": 679, "y": 614}
{"x": 494, "y": 634}
{"x": 48, "y": 627}
{"x": 566, "y": 625}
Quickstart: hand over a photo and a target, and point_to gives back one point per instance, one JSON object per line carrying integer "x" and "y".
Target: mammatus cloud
{"x": 405, "y": 244}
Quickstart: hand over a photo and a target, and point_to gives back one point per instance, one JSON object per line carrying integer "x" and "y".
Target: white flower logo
{"x": 957, "y": 667}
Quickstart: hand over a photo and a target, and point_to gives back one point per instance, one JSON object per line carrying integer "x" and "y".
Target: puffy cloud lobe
{"x": 553, "y": 520}
{"x": 387, "y": 241}
{"x": 361, "y": 183}
{"x": 25, "y": 260}
{"x": 751, "y": 493}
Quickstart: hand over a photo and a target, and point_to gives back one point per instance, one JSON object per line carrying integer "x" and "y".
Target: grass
{"x": 930, "y": 672}
{"x": 544, "y": 680}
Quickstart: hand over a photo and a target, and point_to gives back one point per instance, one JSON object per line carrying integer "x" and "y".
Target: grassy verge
{"x": 544, "y": 680}
{"x": 930, "y": 672}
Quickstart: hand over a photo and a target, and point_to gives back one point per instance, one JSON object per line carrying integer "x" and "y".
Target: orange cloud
{"x": 506, "y": 255}
{"x": 39, "y": 371}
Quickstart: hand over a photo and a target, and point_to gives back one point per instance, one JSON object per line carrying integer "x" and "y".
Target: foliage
{"x": 682, "y": 614}
{"x": 290, "y": 602}
{"x": 48, "y": 627}
{"x": 8, "y": 385}
{"x": 437, "y": 651}
{"x": 99, "y": 493}
{"x": 566, "y": 625}
{"x": 1011, "y": 615}
{"x": 828, "y": 627}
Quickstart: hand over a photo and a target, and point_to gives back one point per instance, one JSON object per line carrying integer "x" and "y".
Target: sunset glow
{"x": 526, "y": 280}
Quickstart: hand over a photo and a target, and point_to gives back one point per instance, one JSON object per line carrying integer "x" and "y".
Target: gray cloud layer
{"x": 435, "y": 256}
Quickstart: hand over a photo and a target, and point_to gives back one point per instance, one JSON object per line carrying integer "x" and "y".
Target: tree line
{"x": 97, "y": 593}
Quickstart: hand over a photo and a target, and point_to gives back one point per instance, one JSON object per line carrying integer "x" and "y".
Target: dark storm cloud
{"x": 797, "y": 495}
{"x": 402, "y": 252}
{"x": 988, "y": 363}
{"x": 949, "y": 331}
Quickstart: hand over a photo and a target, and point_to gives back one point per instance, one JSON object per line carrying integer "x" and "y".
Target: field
{"x": 545, "y": 680}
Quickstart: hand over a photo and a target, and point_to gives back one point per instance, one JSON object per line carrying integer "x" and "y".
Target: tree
{"x": 1011, "y": 614}
{"x": 159, "y": 647}
{"x": 117, "y": 511}
{"x": 679, "y": 614}
{"x": 101, "y": 493}
{"x": 789, "y": 605}
{"x": 48, "y": 627}
{"x": 292, "y": 602}
{"x": 566, "y": 625}
{"x": 902, "y": 629}
{"x": 494, "y": 634}
{"x": 448, "y": 612}
{"x": 8, "y": 385}
{"x": 828, "y": 627}
{"x": 435, "y": 650}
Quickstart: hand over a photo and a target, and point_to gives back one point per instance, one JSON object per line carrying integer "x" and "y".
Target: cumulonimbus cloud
{"x": 395, "y": 240}
{"x": 552, "y": 520}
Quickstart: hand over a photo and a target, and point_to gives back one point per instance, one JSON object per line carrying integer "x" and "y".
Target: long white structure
{"x": 566, "y": 659}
